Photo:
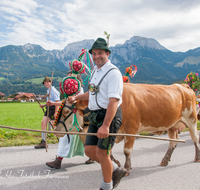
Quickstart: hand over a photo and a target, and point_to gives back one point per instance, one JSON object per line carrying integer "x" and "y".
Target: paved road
{"x": 23, "y": 168}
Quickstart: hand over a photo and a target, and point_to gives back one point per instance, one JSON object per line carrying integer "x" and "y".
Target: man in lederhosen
{"x": 54, "y": 97}
{"x": 105, "y": 98}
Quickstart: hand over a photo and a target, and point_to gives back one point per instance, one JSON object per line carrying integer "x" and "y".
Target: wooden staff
{"x": 95, "y": 134}
{"x": 39, "y": 103}
{"x": 48, "y": 111}
{"x": 44, "y": 112}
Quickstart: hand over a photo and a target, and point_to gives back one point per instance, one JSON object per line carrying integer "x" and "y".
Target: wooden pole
{"x": 44, "y": 112}
{"x": 39, "y": 103}
{"x": 48, "y": 111}
{"x": 95, "y": 134}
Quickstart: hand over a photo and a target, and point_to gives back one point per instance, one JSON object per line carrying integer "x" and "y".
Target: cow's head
{"x": 71, "y": 117}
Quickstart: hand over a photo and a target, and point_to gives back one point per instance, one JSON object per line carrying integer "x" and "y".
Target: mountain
{"x": 156, "y": 64}
{"x": 72, "y": 51}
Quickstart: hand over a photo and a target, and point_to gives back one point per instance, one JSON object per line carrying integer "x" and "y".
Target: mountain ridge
{"x": 156, "y": 64}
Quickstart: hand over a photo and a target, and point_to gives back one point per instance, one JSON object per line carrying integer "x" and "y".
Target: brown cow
{"x": 154, "y": 108}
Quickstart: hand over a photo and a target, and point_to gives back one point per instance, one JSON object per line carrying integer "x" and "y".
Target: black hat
{"x": 46, "y": 79}
{"x": 100, "y": 43}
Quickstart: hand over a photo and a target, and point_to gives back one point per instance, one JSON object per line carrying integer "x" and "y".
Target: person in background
{"x": 68, "y": 149}
{"x": 54, "y": 97}
{"x": 104, "y": 100}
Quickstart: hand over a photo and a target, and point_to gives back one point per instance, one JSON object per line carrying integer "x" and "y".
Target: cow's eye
{"x": 66, "y": 112}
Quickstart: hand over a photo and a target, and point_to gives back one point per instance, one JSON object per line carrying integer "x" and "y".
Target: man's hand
{"x": 103, "y": 132}
{"x": 71, "y": 99}
{"x": 42, "y": 105}
{"x": 49, "y": 103}
{"x": 55, "y": 114}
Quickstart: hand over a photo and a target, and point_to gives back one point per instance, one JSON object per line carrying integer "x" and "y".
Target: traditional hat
{"x": 46, "y": 79}
{"x": 100, "y": 43}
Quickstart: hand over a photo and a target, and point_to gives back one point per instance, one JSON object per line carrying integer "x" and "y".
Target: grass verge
{"x": 26, "y": 115}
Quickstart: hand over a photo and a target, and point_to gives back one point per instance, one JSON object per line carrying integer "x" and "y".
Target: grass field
{"x": 39, "y": 80}
{"x": 25, "y": 115}
{"x": 21, "y": 115}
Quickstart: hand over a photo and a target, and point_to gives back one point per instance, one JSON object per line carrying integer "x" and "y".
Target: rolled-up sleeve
{"x": 115, "y": 84}
{"x": 55, "y": 95}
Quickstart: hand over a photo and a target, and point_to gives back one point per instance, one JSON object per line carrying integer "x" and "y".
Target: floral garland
{"x": 129, "y": 71}
{"x": 193, "y": 81}
{"x": 59, "y": 112}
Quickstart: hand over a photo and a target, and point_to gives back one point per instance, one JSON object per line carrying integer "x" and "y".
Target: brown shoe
{"x": 89, "y": 161}
{"x": 55, "y": 164}
{"x": 40, "y": 145}
{"x": 117, "y": 175}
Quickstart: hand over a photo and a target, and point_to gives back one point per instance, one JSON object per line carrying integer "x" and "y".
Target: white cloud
{"x": 52, "y": 24}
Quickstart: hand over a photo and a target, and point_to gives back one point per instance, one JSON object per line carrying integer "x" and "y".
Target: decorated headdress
{"x": 71, "y": 85}
{"x": 129, "y": 71}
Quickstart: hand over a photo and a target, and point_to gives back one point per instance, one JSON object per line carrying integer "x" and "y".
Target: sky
{"x": 52, "y": 24}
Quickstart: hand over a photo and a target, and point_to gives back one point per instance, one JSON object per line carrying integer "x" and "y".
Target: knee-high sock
{"x": 106, "y": 186}
{"x": 43, "y": 136}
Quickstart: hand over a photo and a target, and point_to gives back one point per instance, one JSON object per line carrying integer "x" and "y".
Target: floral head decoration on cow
{"x": 129, "y": 71}
{"x": 71, "y": 86}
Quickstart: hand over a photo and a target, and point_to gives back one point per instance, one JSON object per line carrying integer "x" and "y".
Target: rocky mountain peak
{"x": 145, "y": 43}
{"x": 77, "y": 46}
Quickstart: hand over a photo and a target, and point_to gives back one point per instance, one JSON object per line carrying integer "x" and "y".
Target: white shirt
{"x": 110, "y": 87}
{"x": 55, "y": 94}
{"x": 81, "y": 91}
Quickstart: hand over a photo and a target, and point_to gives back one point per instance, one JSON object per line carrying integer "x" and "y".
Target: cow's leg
{"x": 192, "y": 125}
{"x": 114, "y": 160}
{"x": 195, "y": 138}
{"x": 128, "y": 147}
{"x": 173, "y": 134}
{"x": 83, "y": 137}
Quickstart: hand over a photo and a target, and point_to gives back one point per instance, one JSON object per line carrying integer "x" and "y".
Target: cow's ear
{"x": 81, "y": 104}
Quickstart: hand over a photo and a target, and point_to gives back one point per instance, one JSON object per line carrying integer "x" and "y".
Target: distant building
{"x": 25, "y": 97}
{"x": 1, "y": 95}
{"x": 40, "y": 97}
{"x": 10, "y": 99}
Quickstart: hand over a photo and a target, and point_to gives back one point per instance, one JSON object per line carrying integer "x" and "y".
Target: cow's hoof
{"x": 128, "y": 170}
{"x": 128, "y": 173}
{"x": 163, "y": 163}
{"x": 196, "y": 160}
